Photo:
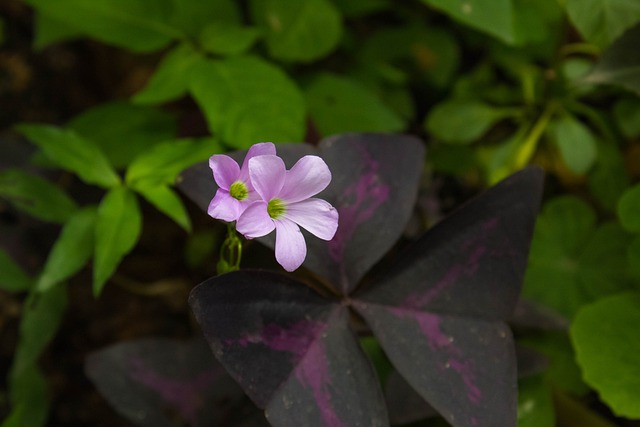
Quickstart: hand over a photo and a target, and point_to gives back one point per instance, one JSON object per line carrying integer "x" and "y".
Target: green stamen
{"x": 276, "y": 208}
{"x": 238, "y": 190}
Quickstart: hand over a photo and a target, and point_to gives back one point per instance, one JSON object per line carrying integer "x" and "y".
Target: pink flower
{"x": 287, "y": 204}
{"x": 235, "y": 192}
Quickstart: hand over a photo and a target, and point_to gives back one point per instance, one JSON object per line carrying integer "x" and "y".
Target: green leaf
{"x": 191, "y": 16}
{"x": 537, "y": 22}
{"x": 122, "y": 130}
{"x": 304, "y": 30}
{"x": 162, "y": 164}
{"x": 166, "y": 201}
{"x": 609, "y": 178}
{"x": 573, "y": 262}
{"x": 72, "y": 152}
{"x": 620, "y": 64}
{"x": 605, "y": 336}
{"x": 535, "y": 406}
{"x": 602, "y": 21}
{"x": 50, "y": 31}
{"x": 170, "y": 80}
{"x": 227, "y": 39}
{"x": 41, "y": 318}
{"x": 462, "y": 121}
{"x": 247, "y": 100}
{"x": 71, "y": 251}
{"x": 337, "y": 104}
{"x": 139, "y": 25}
{"x": 13, "y": 278}
{"x": 117, "y": 230}
{"x": 629, "y": 209}
{"x": 633, "y": 256}
{"x": 493, "y": 17}
{"x": 627, "y": 115}
{"x": 36, "y": 196}
{"x": 29, "y": 398}
{"x": 576, "y": 143}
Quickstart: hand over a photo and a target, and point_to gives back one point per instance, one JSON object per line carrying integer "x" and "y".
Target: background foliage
{"x": 490, "y": 85}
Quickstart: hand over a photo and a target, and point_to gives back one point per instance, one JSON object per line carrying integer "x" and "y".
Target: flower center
{"x": 276, "y": 208}
{"x": 238, "y": 190}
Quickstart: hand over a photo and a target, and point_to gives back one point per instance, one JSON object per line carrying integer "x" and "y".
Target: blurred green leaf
{"x": 357, "y": 8}
{"x": 36, "y": 196}
{"x": 602, "y": 21}
{"x": 626, "y": 112}
{"x": 620, "y": 64}
{"x": 122, "y": 130}
{"x": 117, "y": 230}
{"x": 49, "y": 30}
{"x": 633, "y": 255}
{"x": 629, "y": 209}
{"x": 227, "y": 39}
{"x": 71, "y": 251}
{"x": 535, "y": 406}
{"x": 29, "y": 399}
{"x": 201, "y": 246}
{"x": 72, "y": 152}
{"x": 304, "y": 30}
{"x": 13, "y": 277}
{"x": 170, "y": 80}
{"x": 166, "y": 201}
{"x": 576, "y": 143}
{"x": 337, "y": 104}
{"x": 247, "y": 100}
{"x": 563, "y": 372}
{"x": 573, "y": 262}
{"x": 191, "y": 16}
{"x": 608, "y": 179}
{"x": 537, "y": 22}
{"x": 139, "y": 25}
{"x": 605, "y": 336}
{"x": 462, "y": 121}
{"x": 161, "y": 164}
{"x": 493, "y": 17}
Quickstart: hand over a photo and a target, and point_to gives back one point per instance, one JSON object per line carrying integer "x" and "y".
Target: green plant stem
{"x": 528, "y": 147}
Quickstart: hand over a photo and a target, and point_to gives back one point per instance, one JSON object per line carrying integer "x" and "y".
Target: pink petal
{"x": 225, "y": 170}
{"x": 309, "y": 176}
{"x": 291, "y": 249}
{"x": 316, "y": 216}
{"x": 267, "y": 175}
{"x": 224, "y": 207}
{"x": 255, "y": 221}
{"x": 259, "y": 149}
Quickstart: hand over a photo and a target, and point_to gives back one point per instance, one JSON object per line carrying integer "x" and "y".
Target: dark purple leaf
{"x": 290, "y": 349}
{"x": 146, "y": 379}
{"x": 439, "y": 312}
{"x": 404, "y": 404}
{"x": 374, "y": 187}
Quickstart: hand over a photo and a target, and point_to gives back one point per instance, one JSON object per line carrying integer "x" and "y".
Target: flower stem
{"x": 230, "y": 252}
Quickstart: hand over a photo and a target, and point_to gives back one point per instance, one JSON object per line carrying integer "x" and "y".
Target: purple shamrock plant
{"x": 438, "y": 311}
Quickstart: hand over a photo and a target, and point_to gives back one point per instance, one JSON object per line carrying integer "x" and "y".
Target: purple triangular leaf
{"x": 290, "y": 349}
{"x": 439, "y": 312}
{"x": 146, "y": 378}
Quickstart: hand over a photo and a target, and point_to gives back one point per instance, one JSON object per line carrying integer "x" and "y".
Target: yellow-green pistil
{"x": 238, "y": 190}
{"x": 276, "y": 208}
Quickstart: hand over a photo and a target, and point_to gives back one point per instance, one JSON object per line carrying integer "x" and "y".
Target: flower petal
{"x": 224, "y": 207}
{"x": 255, "y": 221}
{"x": 267, "y": 175}
{"x": 225, "y": 170}
{"x": 316, "y": 216}
{"x": 259, "y": 149}
{"x": 309, "y": 176}
{"x": 291, "y": 249}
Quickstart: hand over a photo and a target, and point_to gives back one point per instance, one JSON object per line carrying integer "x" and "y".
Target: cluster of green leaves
{"x": 492, "y": 84}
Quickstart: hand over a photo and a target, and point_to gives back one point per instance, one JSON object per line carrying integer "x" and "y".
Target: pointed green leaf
{"x": 493, "y": 17}
{"x": 304, "y": 30}
{"x": 602, "y": 21}
{"x": 170, "y": 80}
{"x": 71, "y": 251}
{"x": 36, "y": 196}
{"x": 605, "y": 336}
{"x": 139, "y": 25}
{"x": 247, "y": 100}
{"x": 227, "y": 39}
{"x": 167, "y": 202}
{"x": 118, "y": 227}
{"x": 629, "y": 209}
{"x": 12, "y": 278}
{"x": 575, "y": 142}
{"x": 72, "y": 152}
{"x": 338, "y": 104}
